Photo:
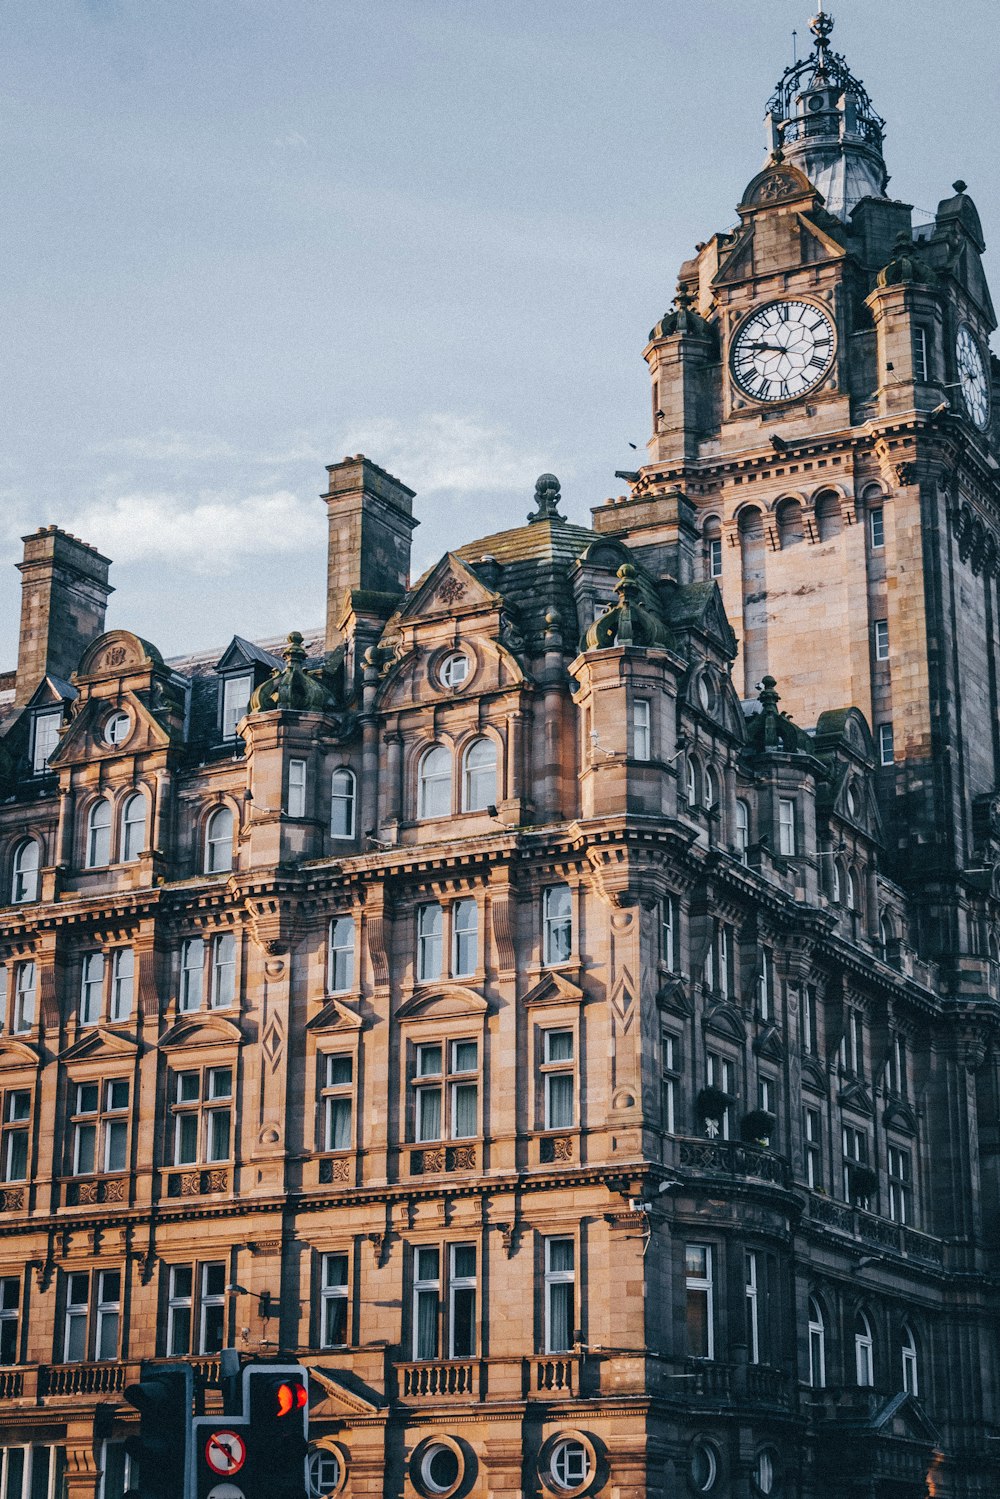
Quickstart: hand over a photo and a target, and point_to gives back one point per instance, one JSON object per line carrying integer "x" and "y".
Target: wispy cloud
{"x": 213, "y": 532}
{"x": 292, "y": 140}
{"x": 447, "y": 451}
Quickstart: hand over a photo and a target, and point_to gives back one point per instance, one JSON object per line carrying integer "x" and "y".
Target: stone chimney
{"x": 371, "y": 523}
{"x": 64, "y": 593}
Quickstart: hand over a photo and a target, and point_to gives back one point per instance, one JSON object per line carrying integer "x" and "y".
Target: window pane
{"x": 338, "y": 1124}
{"x": 426, "y": 1345}
{"x": 428, "y": 1061}
{"x": 560, "y": 1329}
{"x": 463, "y": 1323}
{"x": 464, "y": 1056}
{"x": 558, "y": 1046}
{"x": 428, "y": 1114}
{"x": 560, "y": 1255}
{"x": 464, "y": 1110}
{"x": 116, "y": 1145}
{"x": 335, "y": 1270}
{"x": 235, "y": 700}
{"x": 86, "y": 1147}
{"x": 186, "y": 1140}
{"x": 334, "y": 1321}
{"x": 218, "y": 1137}
{"x": 559, "y": 1088}
{"x": 220, "y": 1082}
{"x": 342, "y": 804}
{"x": 435, "y": 783}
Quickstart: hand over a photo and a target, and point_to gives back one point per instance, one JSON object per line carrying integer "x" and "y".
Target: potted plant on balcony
{"x": 756, "y": 1127}
{"x": 863, "y": 1183}
{"x": 712, "y": 1104}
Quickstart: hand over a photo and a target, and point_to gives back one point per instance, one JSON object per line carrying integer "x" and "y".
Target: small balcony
{"x": 711, "y": 1382}
{"x": 104, "y": 1378}
{"x": 727, "y": 1158}
{"x": 879, "y": 1233}
{"x": 547, "y": 1376}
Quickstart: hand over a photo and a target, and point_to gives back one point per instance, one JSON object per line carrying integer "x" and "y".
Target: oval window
{"x": 116, "y": 730}
{"x": 440, "y": 1468}
{"x": 765, "y": 1471}
{"x": 323, "y": 1472}
{"x": 569, "y": 1465}
{"x": 454, "y": 669}
{"x": 853, "y": 800}
{"x": 704, "y": 1467}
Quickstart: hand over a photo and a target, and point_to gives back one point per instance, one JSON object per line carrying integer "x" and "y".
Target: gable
{"x": 338, "y": 1397}
{"x": 769, "y": 1044}
{"x": 116, "y": 653}
{"x": 451, "y": 587}
{"x": 243, "y": 653}
{"x": 17, "y": 1053}
{"x": 335, "y": 1016}
{"x": 554, "y": 989}
{"x": 455, "y": 1001}
{"x": 84, "y": 738}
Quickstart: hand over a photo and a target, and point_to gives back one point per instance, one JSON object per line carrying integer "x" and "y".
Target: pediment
{"x": 904, "y": 1417}
{"x": 815, "y": 238}
{"x": 768, "y": 1043}
{"x": 117, "y": 653}
{"x": 442, "y": 1004}
{"x": 450, "y": 587}
{"x": 335, "y": 1015}
{"x": 84, "y": 738}
{"x": 725, "y": 1020}
{"x": 856, "y": 1096}
{"x": 201, "y": 1030}
{"x": 673, "y": 995}
{"x": 17, "y": 1053}
{"x": 813, "y": 1075}
{"x": 243, "y": 653}
{"x": 554, "y": 988}
{"x": 899, "y": 1115}
{"x": 52, "y": 692}
{"x": 99, "y": 1043}
{"x": 338, "y": 1398}
{"x": 779, "y": 182}
{"x": 738, "y": 264}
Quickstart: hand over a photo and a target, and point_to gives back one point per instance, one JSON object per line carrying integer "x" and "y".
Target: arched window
{"x": 908, "y": 1360}
{"x": 885, "y": 937}
{"x": 711, "y": 788}
{"x": 133, "y": 827}
{"x": 864, "y": 1351}
{"x": 742, "y": 829}
{"x": 712, "y": 543}
{"x": 99, "y": 835}
{"x": 434, "y": 792}
{"x": 817, "y": 1345}
{"x": 25, "y": 882}
{"x": 836, "y": 882}
{"x": 828, "y": 517}
{"x": 479, "y": 778}
{"x": 854, "y": 890}
{"x": 692, "y": 781}
{"x": 790, "y": 529}
{"x": 342, "y": 803}
{"x": 219, "y": 841}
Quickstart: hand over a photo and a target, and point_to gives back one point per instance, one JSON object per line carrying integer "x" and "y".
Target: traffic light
{"x": 163, "y": 1397}
{"x": 276, "y": 1401}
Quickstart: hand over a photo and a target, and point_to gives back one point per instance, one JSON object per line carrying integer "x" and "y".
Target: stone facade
{"x": 494, "y": 998}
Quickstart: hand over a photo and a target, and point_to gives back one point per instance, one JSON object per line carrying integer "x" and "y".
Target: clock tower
{"x": 824, "y": 420}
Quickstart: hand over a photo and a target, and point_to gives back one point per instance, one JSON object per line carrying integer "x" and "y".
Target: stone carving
{"x": 451, "y": 590}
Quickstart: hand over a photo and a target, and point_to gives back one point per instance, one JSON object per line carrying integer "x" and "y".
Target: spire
{"x": 821, "y": 119}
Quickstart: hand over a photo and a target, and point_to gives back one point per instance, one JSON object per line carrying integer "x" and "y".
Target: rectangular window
{"x": 852, "y": 1044}
{"x": 786, "y": 827}
{"x": 337, "y": 1100}
{"x": 810, "y": 1034}
{"x": 715, "y": 557}
{"x": 640, "y": 730}
{"x": 752, "y": 1328}
{"x": 464, "y": 938}
{"x": 426, "y": 1301}
{"x": 212, "y": 1318}
{"x": 296, "y": 788}
{"x": 429, "y": 934}
{"x": 180, "y": 1297}
{"x": 765, "y": 985}
{"x": 855, "y": 1143}
{"x": 881, "y": 640}
{"x": 342, "y": 788}
{"x": 921, "y": 364}
{"x": 10, "y": 1315}
{"x": 560, "y": 1279}
{"x": 897, "y": 1065}
{"x": 428, "y": 1083}
{"x": 462, "y": 1301}
{"x": 725, "y": 941}
{"x": 223, "y": 970}
{"x": 671, "y": 1080}
{"x": 334, "y": 1294}
{"x": 192, "y": 973}
{"x": 235, "y": 701}
{"x": 45, "y": 738}
{"x": 876, "y": 527}
{"x": 767, "y": 1100}
{"x": 813, "y": 1131}
{"x": 91, "y": 988}
{"x": 700, "y": 1311}
{"x": 559, "y": 1079}
{"x": 24, "y": 996}
{"x": 463, "y": 1087}
{"x": 340, "y": 961}
{"x": 75, "y": 1322}
{"x": 16, "y": 1118}
{"x": 558, "y": 924}
{"x": 100, "y": 1133}
{"x": 218, "y": 1117}
{"x": 202, "y": 1118}
{"x": 720, "y": 1073}
{"x": 886, "y": 744}
{"x": 122, "y": 983}
{"x": 900, "y": 1185}
{"x": 109, "y": 1313}
{"x": 669, "y": 949}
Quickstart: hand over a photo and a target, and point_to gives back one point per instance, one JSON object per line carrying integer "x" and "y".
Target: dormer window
{"x": 235, "y": 701}
{"x": 44, "y": 739}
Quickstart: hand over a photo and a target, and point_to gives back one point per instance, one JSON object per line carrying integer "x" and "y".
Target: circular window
{"x": 569, "y": 1465}
{"x": 440, "y": 1468}
{"x": 706, "y": 695}
{"x": 704, "y": 1467}
{"x": 117, "y": 728}
{"x": 325, "y": 1471}
{"x": 765, "y": 1471}
{"x": 454, "y": 669}
{"x": 853, "y": 800}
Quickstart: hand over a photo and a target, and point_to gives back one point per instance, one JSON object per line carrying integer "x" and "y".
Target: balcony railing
{"x": 711, "y": 1380}
{"x": 82, "y": 1379}
{"x": 549, "y": 1376}
{"x": 554, "y": 1374}
{"x": 11, "y": 1384}
{"x": 732, "y": 1158}
{"x": 442, "y": 1379}
{"x": 869, "y": 1228}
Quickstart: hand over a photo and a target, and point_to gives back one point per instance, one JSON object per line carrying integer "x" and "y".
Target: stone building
{"x": 581, "y": 1056}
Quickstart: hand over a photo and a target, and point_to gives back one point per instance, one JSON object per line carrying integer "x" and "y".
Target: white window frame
{"x": 750, "y": 1290}
{"x": 340, "y": 955}
{"x": 908, "y": 1356}
{"x": 554, "y": 1279}
{"x": 297, "y": 783}
{"x": 715, "y": 556}
{"x": 876, "y": 527}
{"x": 430, "y": 942}
{"x": 812, "y": 1129}
{"x": 457, "y": 1284}
{"x": 558, "y": 1068}
{"x": 127, "y": 852}
{"x": 557, "y": 926}
{"x": 10, "y": 1314}
{"x": 109, "y": 1311}
{"x": 237, "y": 690}
{"x": 921, "y": 356}
{"x": 219, "y": 846}
{"x": 191, "y": 989}
{"x": 24, "y": 885}
{"x": 881, "y": 637}
{"x": 464, "y": 933}
{"x": 742, "y": 830}
{"x": 426, "y": 1285}
{"x": 222, "y": 986}
{"x": 899, "y": 1163}
{"x": 178, "y": 1302}
{"x": 91, "y": 988}
{"x": 786, "y": 827}
{"x": 642, "y": 741}
{"x": 99, "y": 824}
{"x": 334, "y": 1295}
{"x": 44, "y": 744}
{"x": 343, "y": 795}
{"x": 335, "y": 1092}
{"x": 477, "y": 797}
{"x": 864, "y": 1352}
{"x": 434, "y": 785}
{"x": 208, "y": 1301}
{"x": 703, "y": 1284}
{"x": 886, "y": 744}
{"x": 25, "y": 996}
{"x": 671, "y": 1077}
{"x": 669, "y": 924}
{"x": 122, "y": 983}
{"x": 817, "y": 1345}
{"x": 765, "y": 985}
{"x": 74, "y": 1312}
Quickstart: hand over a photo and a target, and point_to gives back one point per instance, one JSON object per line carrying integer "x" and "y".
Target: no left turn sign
{"x": 225, "y": 1452}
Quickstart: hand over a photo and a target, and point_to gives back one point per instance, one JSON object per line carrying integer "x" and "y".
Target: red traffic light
{"x": 291, "y": 1396}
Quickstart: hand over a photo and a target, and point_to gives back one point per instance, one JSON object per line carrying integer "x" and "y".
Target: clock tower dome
{"x": 824, "y": 415}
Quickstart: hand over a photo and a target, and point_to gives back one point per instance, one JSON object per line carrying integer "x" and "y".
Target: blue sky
{"x": 242, "y": 238}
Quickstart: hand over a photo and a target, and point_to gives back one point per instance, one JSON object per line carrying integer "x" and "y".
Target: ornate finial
{"x": 821, "y": 26}
{"x": 294, "y": 653}
{"x": 683, "y": 299}
{"x": 629, "y": 622}
{"x": 547, "y": 494}
{"x": 960, "y": 186}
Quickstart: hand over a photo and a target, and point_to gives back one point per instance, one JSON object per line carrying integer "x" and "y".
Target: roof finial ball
{"x": 547, "y": 493}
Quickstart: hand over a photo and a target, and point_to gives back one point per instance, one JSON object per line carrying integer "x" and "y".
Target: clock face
{"x": 972, "y": 378}
{"x": 782, "y": 350}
